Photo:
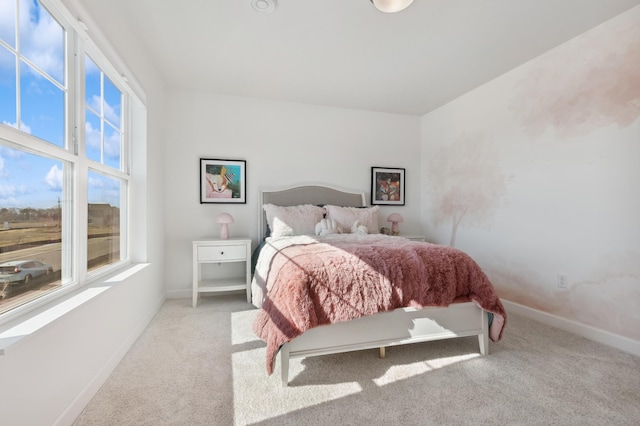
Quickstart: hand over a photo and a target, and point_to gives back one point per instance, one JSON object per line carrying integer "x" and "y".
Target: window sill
{"x": 34, "y": 321}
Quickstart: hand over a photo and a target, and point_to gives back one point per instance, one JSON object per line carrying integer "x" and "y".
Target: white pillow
{"x": 347, "y": 216}
{"x": 293, "y": 220}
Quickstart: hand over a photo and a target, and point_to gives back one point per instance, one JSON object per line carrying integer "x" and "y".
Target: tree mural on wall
{"x": 465, "y": 183}
{"x": 578, "y": 93}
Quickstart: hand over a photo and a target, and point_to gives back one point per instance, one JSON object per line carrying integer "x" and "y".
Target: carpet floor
{"x": 205, "y": 366}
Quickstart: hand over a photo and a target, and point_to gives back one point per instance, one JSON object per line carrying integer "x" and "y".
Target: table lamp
{"x": 224, "y": 219}
{"x": 395, "y": 218}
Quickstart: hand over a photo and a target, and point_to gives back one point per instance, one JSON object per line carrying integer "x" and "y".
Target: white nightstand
{"x": 221, "y": 251}
{"x": 414, "y": 237}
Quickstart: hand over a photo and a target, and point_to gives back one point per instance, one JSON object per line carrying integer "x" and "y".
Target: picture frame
{"x": 223, "y": 181}
{"x": 387, "y": 186}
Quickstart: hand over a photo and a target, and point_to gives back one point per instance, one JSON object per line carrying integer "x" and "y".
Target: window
{"x": 64, "y": 163}
{"x": 103, "y": 237}
{"x": 32, "y": 67}
{"x": 103, "y": 117}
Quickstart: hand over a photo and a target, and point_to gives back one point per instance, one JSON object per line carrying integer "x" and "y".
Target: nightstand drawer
{"x": 222, "y": 253}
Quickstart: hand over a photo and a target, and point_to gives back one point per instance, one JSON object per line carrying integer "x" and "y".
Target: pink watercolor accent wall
{"x": 594, "y": 82}
{"x": 537, "y": 173}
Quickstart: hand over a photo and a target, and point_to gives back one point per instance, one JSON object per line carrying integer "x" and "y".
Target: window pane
{"x": 41, "y": 106}
{"x": 7, "y": 87}
{"x": 111, "y": 147}
{"x": 112, "y": 102}
{"x": 103, "y": 245}
{"x": 92, "y": 85}
{"x": 31, "y": 195}
{"x": 8, "y": 22}
{"x": 104, "y": 109}
{"x": 42, "y": 39}
{"x": 93, "y": 137}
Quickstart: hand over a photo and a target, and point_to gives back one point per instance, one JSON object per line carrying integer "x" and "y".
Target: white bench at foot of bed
{"x": 399, "y": 327}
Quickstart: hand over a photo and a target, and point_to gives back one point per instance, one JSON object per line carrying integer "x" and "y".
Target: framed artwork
{"x": 223, "y": 181}
{"x": 387, "y": 186}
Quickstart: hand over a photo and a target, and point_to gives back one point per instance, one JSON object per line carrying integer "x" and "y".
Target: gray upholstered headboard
{"x": 306, "y": 194}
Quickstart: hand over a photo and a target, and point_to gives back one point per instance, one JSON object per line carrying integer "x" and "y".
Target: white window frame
{"x": 75, "y": 272}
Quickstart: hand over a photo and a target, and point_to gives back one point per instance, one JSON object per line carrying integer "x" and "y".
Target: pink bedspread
{"x": 342, "y": 277}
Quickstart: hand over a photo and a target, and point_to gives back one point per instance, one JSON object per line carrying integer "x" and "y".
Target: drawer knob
{"x": 221, "y": 252}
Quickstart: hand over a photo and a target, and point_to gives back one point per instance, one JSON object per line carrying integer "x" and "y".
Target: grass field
{"x": 33, "y": 232}
{"x": 29, "y": 232}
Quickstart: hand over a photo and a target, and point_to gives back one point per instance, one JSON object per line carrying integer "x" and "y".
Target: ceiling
{"x": 345, "y": 53}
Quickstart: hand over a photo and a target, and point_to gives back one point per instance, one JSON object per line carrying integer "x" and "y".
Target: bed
{"x": 351, "y": 288}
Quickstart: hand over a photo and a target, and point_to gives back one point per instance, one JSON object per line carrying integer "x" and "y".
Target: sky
{"x": 37, "y": 85}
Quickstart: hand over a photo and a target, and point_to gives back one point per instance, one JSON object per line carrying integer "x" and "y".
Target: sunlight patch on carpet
{"x": 406, "y": 371}
{"x": 253, "y": 390}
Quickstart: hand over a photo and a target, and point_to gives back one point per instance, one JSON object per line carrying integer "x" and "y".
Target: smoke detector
{"x": 264, "y": 6}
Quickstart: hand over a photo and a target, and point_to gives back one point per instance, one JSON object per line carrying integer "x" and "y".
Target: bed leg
{"x": 484, "y": 344}
{"x": 284, "y": 364}
{"x": 483, "y": 338}
{"x": 382, "y": 352}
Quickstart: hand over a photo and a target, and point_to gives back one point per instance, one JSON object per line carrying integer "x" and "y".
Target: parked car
{"x": 22, "y": 272}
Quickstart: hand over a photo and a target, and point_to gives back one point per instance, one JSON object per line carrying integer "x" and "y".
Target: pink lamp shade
{"x": 395, "y": 218}
{"x": 224, "y": 219}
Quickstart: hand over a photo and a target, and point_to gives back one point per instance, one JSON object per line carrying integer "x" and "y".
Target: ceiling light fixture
{"x": 264, "y": 6}
{"x": 391, "y": 6}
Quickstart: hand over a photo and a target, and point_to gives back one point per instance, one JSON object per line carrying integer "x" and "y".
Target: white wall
{"x": 545, "y": 161}
{"x": 50, "y": 376}
{"x": 283, "y": 143}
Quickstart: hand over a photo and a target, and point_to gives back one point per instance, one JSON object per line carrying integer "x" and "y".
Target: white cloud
{"x": 111, "y": 142}
{"x": 95, "y": 182}
{"x": 54, "y": 178}
{"x": 8, "y": 196}
{"x": 7, "y": 191}
{"x": 7, "y": 20}
{"x": 12, "y": 196}
{"x": 110, "y": 113}
{"x": 3, "y": 171}
{"x": 42, "y": 39}
{"x": 10, "y": 152}
{"x": 8, "y": 202}
{"x": 92, "y": 136}
{"x": 94, "y": 103}
{"x": 112, "y": 145}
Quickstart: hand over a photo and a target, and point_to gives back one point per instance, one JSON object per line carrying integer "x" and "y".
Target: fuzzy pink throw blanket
{"x": 312, "y": 283}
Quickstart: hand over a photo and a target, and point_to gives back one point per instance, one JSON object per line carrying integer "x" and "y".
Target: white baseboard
{"x": 80, "y": 402}
{"x": 188, "y": 294}
{"x": 616, "y": 341}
